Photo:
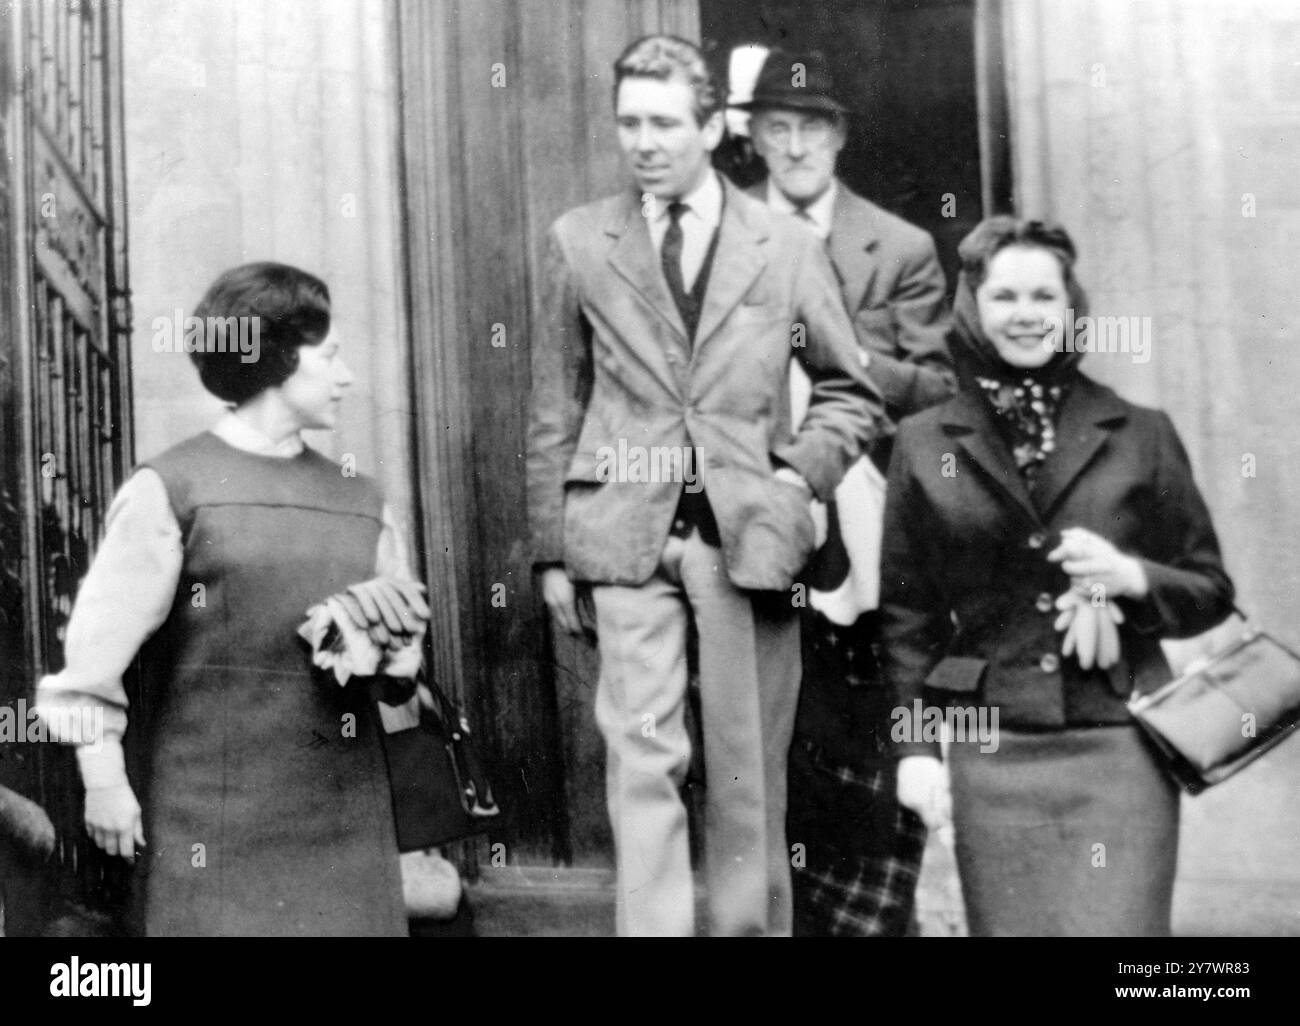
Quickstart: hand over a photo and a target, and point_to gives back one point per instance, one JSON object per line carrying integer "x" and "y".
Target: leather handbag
{"x": 1224, "y": 711}
{"x": 440, "y": 789}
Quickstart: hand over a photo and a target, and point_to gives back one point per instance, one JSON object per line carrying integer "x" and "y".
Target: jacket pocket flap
{"x": 957, "y": 673}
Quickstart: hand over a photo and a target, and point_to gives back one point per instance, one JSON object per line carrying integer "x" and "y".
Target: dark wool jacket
{"x": 966, "y": 587}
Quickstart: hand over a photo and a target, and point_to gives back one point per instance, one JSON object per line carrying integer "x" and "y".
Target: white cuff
{"x": 102, "y": 765}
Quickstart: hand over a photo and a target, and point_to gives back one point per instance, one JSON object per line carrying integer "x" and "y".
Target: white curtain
{"x": 268, "y": 131}
{"x": 1165, "y": 135}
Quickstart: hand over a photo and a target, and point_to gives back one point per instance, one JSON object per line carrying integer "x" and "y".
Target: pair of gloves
{"x": 1091, "y": 629}
{"x": 376, "y": 626}
{"x": 1089, "y": 619}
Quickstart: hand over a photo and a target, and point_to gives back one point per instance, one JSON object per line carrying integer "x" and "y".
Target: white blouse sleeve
{"x": 391, "y": 559}
{"x": 125, "y": 597}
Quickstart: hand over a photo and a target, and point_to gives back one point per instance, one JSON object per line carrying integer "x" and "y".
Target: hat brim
{"x": 812, "y": 104}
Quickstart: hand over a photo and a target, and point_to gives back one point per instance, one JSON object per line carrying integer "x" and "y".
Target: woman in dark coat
{"x": 265, "y": 796}
{"x": 1037, "y": 502}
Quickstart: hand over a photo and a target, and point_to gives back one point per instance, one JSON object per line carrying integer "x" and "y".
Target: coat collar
{"x": 737, "y": 261}
{"x": 1088, "y": 415}
{"x": 855, "y": 235}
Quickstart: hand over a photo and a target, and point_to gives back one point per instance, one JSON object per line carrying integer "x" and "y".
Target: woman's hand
{"x": 392, "y": 611}
{"x": 113, "y": 820}
{"x": 923, "y": 788}
{"x": 1092, "y": 562}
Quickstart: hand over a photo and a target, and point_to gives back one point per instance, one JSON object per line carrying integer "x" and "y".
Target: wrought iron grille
{"x": 73, "y": 438}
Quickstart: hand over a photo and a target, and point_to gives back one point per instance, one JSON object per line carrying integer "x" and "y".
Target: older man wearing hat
{"x": 862, "y": 850}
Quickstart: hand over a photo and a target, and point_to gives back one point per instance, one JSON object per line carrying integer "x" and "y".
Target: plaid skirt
{"x": 861, "y": 850}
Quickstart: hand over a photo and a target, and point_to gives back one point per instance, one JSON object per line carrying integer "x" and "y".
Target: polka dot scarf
{"x": 1028, "y": 408}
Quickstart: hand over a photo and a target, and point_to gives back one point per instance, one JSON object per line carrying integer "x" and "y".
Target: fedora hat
{"x": 795, "y": 81}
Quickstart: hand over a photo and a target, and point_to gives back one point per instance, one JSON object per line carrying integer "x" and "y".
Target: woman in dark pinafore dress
{"x": 266, "y": 801}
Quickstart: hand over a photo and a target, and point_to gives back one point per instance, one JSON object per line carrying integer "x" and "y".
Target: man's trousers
{"x": 749, "y": 681}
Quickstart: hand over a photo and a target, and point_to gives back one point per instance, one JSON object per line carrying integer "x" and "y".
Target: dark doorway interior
{"x": 909, "y": 72}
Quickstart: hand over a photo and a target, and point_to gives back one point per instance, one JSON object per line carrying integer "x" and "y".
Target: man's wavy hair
{"x": 671, "y": 59}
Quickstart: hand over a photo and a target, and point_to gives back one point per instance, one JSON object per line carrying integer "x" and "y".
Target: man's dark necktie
{"x": 693, "y": 510}
{"x": 670, "y": 255}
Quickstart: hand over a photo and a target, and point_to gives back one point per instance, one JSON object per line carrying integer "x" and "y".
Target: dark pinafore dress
{"x": 267, "y": 809}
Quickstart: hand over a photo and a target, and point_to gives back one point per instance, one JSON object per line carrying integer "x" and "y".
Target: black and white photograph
{"x": 651, "y": 468}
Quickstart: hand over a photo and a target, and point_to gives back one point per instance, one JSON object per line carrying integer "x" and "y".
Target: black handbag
{"x": 1225, "y": 711}
{"x": 440, "y": 790}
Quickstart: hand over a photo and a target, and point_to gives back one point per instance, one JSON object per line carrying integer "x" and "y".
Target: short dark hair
{"x": 292, "y": 309}
{"x": 994, "y": 234}
{"x": 671, "y": 58}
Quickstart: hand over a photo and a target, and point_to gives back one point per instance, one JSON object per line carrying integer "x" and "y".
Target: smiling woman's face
{"x": 1022, "y": 292}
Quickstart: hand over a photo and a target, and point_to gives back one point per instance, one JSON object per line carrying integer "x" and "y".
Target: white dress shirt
{"x": 699, "y": 222}
{"x": 819, "y": 213}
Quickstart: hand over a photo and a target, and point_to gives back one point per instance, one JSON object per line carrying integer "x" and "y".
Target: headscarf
{"x": 1025, "y": 399}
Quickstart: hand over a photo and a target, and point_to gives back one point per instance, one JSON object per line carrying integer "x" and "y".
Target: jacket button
{"x": 1037, "y": 540}
{"x": 1050, "y": 663}
{"x": 1044, "y": 603}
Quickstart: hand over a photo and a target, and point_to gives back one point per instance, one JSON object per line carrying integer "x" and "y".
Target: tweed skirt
{"x": 1065, "y": 833}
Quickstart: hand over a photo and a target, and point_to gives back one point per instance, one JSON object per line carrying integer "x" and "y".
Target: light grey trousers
{"x": 749, "y": 669}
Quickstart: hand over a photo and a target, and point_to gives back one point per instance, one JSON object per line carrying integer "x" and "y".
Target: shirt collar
{"x": 238, "y": 432}
{"x": 821, "y": 210}
{"x": 704, "y": 201}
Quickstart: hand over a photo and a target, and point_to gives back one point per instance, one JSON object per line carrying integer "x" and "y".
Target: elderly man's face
{"x": 667, "y": 150}
{"x": 800, "y": 149}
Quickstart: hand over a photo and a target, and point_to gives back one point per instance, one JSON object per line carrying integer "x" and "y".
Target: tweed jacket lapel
{"x": 633, "y": 257}
{"x": 737, "y": 262}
